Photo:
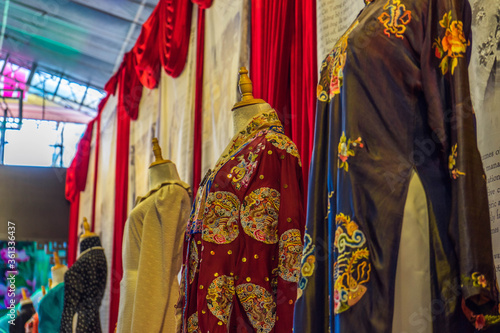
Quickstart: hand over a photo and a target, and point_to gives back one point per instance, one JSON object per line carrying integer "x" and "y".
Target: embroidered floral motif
{"x": 345, "y": 150}
{"x": 352, "y": 266}
{"x": 477, "y": 279}
{"x": 193, "y": 261}
{"x": 192, "y": 323}
{"x": 480, "y": 321}
{"x": 308, "y": 261}
{"x": 452, "y": 46}
{"x": 332, "y": 68}
{"x": 220, "y": 224}
{"x": 395, "y": 18}
{"x": 290, "y": 250}
{"x": 259, "y": 215}
{"x": 240, "y": 174}
{"x": 280, "y": 141}
{"x": 220, "y": 297}
{"x": 454, "y": 172}
{"x": 259, "y": 306}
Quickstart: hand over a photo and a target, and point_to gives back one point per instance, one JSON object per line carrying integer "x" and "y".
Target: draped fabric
{"x": 272, "y": 33}
{"x": 76, "y": 179}
{"x": 303, "y": 79}
{"x": 198, "y": 114}
{"x": 175, "y": 27}
{"x": 105, "y": 197}
{"x": 226, "y": 50}
{"x": 283, "y": 66}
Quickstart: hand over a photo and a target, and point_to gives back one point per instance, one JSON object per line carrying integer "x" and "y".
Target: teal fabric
{"x": 4, "y": 324}
{"x": 50, "y": 310}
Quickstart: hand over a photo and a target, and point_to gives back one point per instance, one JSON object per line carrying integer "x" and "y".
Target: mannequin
{"x": 84, "y": 285}
{"x": 152, "y": 251}
{"x": 51, "y": 305}
{"x": 244, "y": 238}
{"x": 58, "y": 271}
{"x": 249, "y": 106}
{"x": 27, "y": 310}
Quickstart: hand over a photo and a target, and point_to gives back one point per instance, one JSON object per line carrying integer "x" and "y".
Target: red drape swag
{"x": 198, "y": 114}
{"x": 283, "y": 66}
{"x": 76, "y": 179}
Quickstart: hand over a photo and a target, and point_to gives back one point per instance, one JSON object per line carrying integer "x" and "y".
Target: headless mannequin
{"x": 58, "y": 271}
{"x": 160, "y": 170}
{"x": 249, "y": 106}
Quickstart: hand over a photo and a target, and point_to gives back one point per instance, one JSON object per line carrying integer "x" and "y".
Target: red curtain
{"x": 76, "y": 179}
{"x": 175, "y": 28}
{"x": 272, "y": 26}
{"x": 198, "y": 99}
{"x": 198, "y": 115}
{"x": 303, "y": 81}
{"x": 283, "y": 66}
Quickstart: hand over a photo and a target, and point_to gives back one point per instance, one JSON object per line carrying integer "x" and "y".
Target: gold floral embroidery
{"x": 259, "y": 306}
{"x": 259, "y": 215}
{"x": 395, "y": 18}
{"x": 452, "y": 46}
{"x": 220, "y": 224}
{"x": 193, "y": 261}
{"x": 455, "y": 173}
{"x": 282, "y": 142}
{"x": 290, "y": 250}
{"x": 220, "y": 297}
{"x": 345, "y": 150}
{"x": 240, "y": 174}
{"x": 192, "y": 323}
{"x": 352, "y": 266}
{"x": 332, "y": 68}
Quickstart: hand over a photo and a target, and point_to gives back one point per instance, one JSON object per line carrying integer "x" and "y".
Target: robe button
{"x": 244, "y": 259}
{"x": 256, "y": 256}
{"x": 216, "y": 274}
{"x": 248, "y": 279}
{"x": 270, "y": 152}
{"x": 201, "y": 287}
{"x": 282, "y": 157}
{"x": 229, "y": 252}
{"x": 220, "y": 323}
{"x": 212, "y": 252}
{"x": 290, "y": 302}
{"x": 261, "y": 176}
{"x": 289, "y": 219}
{"x": 285, "y": 186}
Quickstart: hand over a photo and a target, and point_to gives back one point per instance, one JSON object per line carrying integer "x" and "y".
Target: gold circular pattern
{"x": 289, "y": 219}
{"x": 282, "y": 157}
{"x": 270, "y": 152}
{"x": 201, "y": 286}
{"x": 219, "y": 323}
{"x": 229, "y": 252}
{"x": 285, "y": 186}
{"x": 256, "y": 256}
{"x": 216, "y": 274}
{"x": 244, "y": 259}
{"x": 212, "y": 252}
{"x": 248, "y": 279}
{"x": 261, "y": 176}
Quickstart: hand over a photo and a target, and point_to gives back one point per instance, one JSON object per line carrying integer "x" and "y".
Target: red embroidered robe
{"x": 244, "y": 239}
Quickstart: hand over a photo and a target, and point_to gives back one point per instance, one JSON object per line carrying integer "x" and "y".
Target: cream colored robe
{"x": 152, "y": 259}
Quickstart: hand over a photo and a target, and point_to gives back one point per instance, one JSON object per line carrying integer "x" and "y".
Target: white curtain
{"x": 87, "y": 195}
{"x": 142, "y": 131}
{"x": 105, "y": 196}
{"x": 176, "y": 118}
{"x": 226, "y": 50}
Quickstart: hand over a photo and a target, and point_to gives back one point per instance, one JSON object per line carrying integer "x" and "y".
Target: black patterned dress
{"x": 84, "y": 285}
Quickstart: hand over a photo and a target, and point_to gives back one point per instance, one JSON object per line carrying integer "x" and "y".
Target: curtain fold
{"x": 284, "y": 67}
{"x": 303, "y": 81}
{"x": 76, "y": 179}
{"x": 198, "y": 100}
{"x": 272, "y": 28}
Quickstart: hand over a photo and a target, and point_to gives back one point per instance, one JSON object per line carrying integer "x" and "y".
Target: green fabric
{"x": 50, "y": 310}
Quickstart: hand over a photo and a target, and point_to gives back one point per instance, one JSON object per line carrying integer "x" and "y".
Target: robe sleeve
{"x": 445, "y": 82}
{"x": 291, "y": 224}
